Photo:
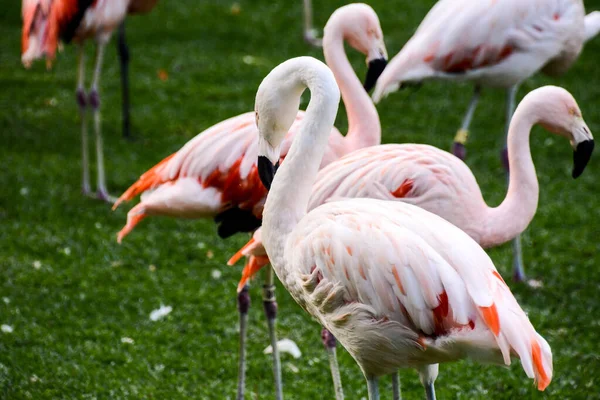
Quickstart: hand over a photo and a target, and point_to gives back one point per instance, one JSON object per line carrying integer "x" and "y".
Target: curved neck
{"x": 364, "y": 128}
{"x": 517, "y": 210}
{"x": 287, "y": 200}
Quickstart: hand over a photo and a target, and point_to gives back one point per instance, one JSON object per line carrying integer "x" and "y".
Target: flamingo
{"x": 397, "y": 285}
{"x": 495, "y": 43}
{"x": 226, "y": 186}
{"x": 443, "y": 184}
{"x": 45, "y": 22}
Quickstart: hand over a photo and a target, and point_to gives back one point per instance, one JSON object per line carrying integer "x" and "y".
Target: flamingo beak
{"x": 266, "y": 171}
{"x": 581, "y": 157}
{"x": 375, "y": 69}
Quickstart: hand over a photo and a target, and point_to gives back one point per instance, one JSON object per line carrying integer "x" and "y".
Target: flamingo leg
{"x": 396, "y": 395}
{"x": 82, "y": 103}
{"x": 518, "y": 269}
{"x": 124, "y": 61}
{"x": 373, "y": 388}
{"x": 102, "y": 193}
{"x": 460, "y": 140}
{"x": 310, "y": 33}
{"x": 243, "y": 301}
{"x": 270, "y": 305}
{"x": 330, "y": 344}
{"x": 430, "y": 391}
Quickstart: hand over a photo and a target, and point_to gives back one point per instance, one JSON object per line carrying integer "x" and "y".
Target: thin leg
{"x": 458, "y": 147}
{"x": 243, "y": 300}
{"x": 310, "y": 34}
{"x": 427, "y": 375}
{"x": 430, "y": 391}
{"x": 124, "y": 61}
{"x": 330, "y": 343}
{"x": 95, "y": 104}
{"x": 518, "y": 269}
{"x": 82, "y": 103}
{"x": 373, "y": 388}
{"x": 270, "y": 305}
{"x": 396, "y": 395}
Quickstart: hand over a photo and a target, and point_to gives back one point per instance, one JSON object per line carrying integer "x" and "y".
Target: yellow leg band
{"x": 461, "y": 136}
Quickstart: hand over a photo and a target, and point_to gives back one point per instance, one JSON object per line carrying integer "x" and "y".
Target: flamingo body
{"x": 45, "y": 22}
{"x": 491, "y": 43}
{"x": 399, "y": 286}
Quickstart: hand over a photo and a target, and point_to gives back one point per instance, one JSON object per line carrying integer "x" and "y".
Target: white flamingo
{"x": 397, "y": 285}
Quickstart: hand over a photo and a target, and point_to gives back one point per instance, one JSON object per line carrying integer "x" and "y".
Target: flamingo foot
{"x": 459, "y": 150}
{"x": 103, "y": 195}
{"x": 312, "y": 38}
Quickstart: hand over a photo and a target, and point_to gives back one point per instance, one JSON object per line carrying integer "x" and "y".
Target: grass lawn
{"x": 71, "y": 294}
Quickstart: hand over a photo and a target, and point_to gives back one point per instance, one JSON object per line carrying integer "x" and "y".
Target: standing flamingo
{"x": 225, "y": 185}
{"x": 397, "y": 285}
{"x": 440, "y": 183}
{"x": 45, "y": 22}
{"x": 497, "y": 43}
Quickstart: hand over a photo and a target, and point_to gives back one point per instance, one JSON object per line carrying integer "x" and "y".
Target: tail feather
{"x": 241, "y": 252}
{"x": 148, "y": 180}
{"x": 255, "y": 264}
{"x": 517, "y": 333}
{"x": 134, "y": 216}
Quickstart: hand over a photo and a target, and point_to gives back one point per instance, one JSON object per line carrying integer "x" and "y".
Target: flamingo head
{"x": 359, "y": 25}
{"x": 558, "y": 112}
{"x": 277, "y": 103}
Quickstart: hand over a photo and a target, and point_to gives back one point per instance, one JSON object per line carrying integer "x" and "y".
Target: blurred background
{"x": 75, "y": 306}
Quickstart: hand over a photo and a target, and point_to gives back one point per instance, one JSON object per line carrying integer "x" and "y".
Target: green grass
{"x": 70, "y": 313}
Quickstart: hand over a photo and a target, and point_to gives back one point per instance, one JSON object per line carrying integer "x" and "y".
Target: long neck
{"x": 364, "y": 128}
{"x": 515, "y": 213}
{"x": 288, "y": 197}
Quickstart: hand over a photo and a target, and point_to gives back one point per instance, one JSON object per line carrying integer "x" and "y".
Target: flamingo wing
{"x": 503, "y": 41}
{"x": 405, "y": 265}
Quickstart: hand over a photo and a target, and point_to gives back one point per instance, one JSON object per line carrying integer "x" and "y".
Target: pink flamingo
{"x": 215, "y": 174}
{"x": 45, "y": 22}
{"x": 397, "y": 285}
{"x": 496, "y": 43}
{"x": 442, "y": 184}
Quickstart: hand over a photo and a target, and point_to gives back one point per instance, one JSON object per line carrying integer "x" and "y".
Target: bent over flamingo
{"x": 397, "y": 285}
{"x": 225, "y": 185}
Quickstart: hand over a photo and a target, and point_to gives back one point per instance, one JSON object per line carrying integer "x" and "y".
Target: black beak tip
{"x": 581, "y": 157}
{"x": 266, "y": 171}
{"x": 374, "y": 70}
